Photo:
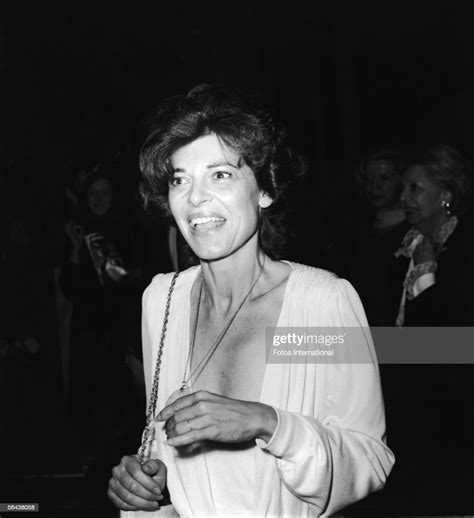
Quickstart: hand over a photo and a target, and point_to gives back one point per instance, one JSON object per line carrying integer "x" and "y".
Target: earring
{"x": 446, "y": 206}
{"x": 265, "y": 201}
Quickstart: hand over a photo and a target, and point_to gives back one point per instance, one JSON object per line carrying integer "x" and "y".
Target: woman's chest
{"x": 237, "y": 367}
{"x": 232, "y": 362}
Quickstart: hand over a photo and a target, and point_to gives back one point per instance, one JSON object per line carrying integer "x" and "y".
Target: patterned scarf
{"x": 414, "y": 237}
{"x": 409, "y": 244}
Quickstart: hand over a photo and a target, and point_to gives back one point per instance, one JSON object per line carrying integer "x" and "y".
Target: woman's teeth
{"x": 206, "y": 223}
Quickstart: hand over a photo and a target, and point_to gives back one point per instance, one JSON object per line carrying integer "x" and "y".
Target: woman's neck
{"x": 388, "y": 217}
{"x": 227, "y": 281}
{"x": 432, "y": 228}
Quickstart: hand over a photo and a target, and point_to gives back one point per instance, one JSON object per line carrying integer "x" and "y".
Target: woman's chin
{"x": 211, "y": 257}
{"x": 218, "y": 249}
{"x": 208, "y": 254}
{"x": 414, "y": 219}
{"x": 379, "y": 202}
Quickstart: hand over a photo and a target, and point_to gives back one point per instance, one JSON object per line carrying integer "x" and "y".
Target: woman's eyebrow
{"x": 224, "y": 163}
{"x": 212, "y": 165}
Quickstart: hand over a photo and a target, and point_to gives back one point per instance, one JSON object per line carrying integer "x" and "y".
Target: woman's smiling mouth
{"x": 203, "y": 223}
{"x": 410, "y": 211}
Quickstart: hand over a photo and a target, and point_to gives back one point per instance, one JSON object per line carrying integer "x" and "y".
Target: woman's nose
{"x": 199, "y": 193}
{"x": 403, "y": 194}
{"x": 371, "y": 185}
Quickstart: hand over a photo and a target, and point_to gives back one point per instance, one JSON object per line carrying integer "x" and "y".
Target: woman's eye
{"x": 222, "y": 175}
{"x": 174, "y": 182}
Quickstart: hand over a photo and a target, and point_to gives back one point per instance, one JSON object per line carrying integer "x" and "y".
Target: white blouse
{"x": 328, "y": 449}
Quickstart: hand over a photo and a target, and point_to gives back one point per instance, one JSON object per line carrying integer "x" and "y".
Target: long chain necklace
{"x": 150, "y": 415}
{"x": 195, "y": 373}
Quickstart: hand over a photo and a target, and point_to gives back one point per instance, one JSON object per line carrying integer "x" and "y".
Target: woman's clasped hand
{"x": 202, "y": 416}
{"x": 136, "y": 486}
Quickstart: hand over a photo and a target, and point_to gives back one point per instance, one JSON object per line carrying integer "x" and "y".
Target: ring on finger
{"x": 189, "y": 425}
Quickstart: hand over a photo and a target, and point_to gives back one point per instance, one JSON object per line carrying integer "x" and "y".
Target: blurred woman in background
{"x": 436, "y": 253}
{"x": 363, "y": 251}
{"x": 429, "y": 407}
{"x": 101, "y": 280}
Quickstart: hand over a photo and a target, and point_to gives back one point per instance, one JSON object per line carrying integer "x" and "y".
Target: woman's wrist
{"x": 421, "y": 277}
{"x": 267, "y": 423}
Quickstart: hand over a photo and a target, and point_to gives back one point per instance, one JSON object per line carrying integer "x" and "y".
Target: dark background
{"x": 79, "y": 80}
{"x": 345, "y": 78}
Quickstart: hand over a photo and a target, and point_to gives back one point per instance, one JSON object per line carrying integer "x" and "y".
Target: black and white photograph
{"x": 236, "y": 277}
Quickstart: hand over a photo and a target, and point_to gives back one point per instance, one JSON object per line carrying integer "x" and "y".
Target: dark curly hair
{"x": 447, "y": 167}
{"x": 248, "y": 131}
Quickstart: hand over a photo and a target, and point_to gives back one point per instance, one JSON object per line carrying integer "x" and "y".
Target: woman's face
{"x": 214, "y": 198}
{"x": 80, "y": 181}
{"x": 99, "y": 197}
{"x": 383, "y": 184}
{"x": 422, "y": 198}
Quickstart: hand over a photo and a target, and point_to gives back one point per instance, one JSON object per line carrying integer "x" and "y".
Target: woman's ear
{"x": 265, "y": 200}
{"x": 447, "y": 196}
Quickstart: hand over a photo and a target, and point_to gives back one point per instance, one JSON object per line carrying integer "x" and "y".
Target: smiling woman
{"x": 214, "y": 198}
{"x": 438, "y": 282}
{"x": 227, "y": 432}
{"x": 248, "y": 137}
{"x": 431, "y": 419}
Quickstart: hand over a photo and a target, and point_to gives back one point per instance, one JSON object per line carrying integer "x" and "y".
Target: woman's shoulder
{"x": 308, "y": 279}
{"x": 461, "y": 235}
{"x": 322, "y": 296}
{"x": 161, "y": 283}
{"x": 310, "y": 273}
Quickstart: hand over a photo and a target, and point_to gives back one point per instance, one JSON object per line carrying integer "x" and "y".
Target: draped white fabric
{"x": 329, "y": 446}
